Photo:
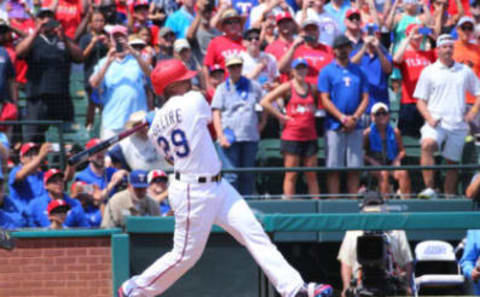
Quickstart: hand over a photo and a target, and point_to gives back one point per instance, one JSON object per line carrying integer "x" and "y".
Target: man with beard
{"x": 105, "y": 178}
{"x": 49, "y": 55}
{"x": 344, "y": 93}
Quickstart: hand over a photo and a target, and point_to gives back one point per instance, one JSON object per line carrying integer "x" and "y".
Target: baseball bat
{"x": 84, "y": 155}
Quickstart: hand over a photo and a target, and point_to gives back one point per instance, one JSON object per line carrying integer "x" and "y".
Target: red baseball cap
{"x": 215, "y": 68}
{"x": 57, "y": 203}
{"x": 140, "y": 3}
{"x": 51, "y": 173}
{"x": 283, "y": 16}
{"x": 92, "y": 142}
{"x": 26, "y": 147}
{"x": 410, "y": 28}
{"x": 352, "y": 11}
{"x": 154, "y": 174}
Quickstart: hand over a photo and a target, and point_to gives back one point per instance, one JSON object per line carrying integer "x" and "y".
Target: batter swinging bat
{"x": 84, "y": 155}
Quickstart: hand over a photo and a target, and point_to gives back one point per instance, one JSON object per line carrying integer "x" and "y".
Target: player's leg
{"x": 195, "y": 210}
{"x": 236, "y": 217}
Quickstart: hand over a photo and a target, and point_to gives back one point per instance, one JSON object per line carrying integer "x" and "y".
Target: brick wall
{"x": 57, "y": 267}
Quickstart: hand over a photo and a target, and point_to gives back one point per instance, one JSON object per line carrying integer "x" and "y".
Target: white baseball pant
{"x": 197, "y": 207}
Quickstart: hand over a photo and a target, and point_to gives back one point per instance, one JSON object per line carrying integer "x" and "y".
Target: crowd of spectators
{"x": 295, "y": 70}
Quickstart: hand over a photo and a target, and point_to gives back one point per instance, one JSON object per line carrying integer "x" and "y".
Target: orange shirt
{"x": 468, "y": 54}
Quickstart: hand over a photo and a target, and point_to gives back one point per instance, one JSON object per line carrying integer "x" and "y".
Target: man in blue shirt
{"x": 37, "y": 214}
{"x": 25, "y": 180}
{"x": 344, "y": 93}
{"x": 376, "y": 63}
{"x": 106, "y": 179}
{"x": 180, "y": 20}
{"x": 470, "y": 257}
{"x": 10, "y": 212}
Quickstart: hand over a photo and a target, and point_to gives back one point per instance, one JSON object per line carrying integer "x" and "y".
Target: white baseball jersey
{"x": 179, "y": 131}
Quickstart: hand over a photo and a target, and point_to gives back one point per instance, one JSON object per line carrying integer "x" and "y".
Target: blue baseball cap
{"x": 138, "y": 179}
{"x": 299, "y": 61}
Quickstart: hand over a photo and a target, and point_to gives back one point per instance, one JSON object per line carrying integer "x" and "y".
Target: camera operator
{"x": 398, "y": 264}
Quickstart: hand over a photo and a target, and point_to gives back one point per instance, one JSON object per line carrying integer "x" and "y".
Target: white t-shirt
{"x": 179, "y": 131}
{"x": 326, "y": 24}
{"x": 398, "y": 244}
{"x": 444, "y": 90}
{"x": 268, "y": 74}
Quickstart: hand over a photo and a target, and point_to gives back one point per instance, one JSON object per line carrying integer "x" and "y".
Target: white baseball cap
{"x": 465, "y": 19}
{"x": 180, "y": 44}
{"x": 445, "y": 39}
{"x": 379, "y": 105}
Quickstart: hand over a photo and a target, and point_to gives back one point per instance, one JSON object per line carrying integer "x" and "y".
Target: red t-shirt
{"x": 302, "y": 111}
{"x": 220, "y": 48}
{"x": 27, "y": 26}
{"x": 69, "y": 14}
{"x": 317, "y": 58}
{"x": 278, "y": 48}
{"x": 411, "y": 67}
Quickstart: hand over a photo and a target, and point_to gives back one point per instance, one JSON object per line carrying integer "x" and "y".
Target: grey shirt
{"x": 122, "y": 204}
{"x": 238, "y": 112}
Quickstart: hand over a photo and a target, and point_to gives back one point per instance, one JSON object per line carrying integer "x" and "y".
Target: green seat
{"x": 412, "y": 146}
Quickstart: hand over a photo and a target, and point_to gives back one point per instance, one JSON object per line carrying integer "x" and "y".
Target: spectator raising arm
{"x": 143, "y": 64}
{"x": 398, "y": 57}
{"x": 30, "y": 167}
{"x": 284, "y": 64}
{"x": 97, "y": 78}
{"x": 73, "y": 49}
{"x": 24, "y": 47}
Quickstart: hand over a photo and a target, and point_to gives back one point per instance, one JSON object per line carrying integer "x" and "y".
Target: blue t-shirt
{"x": 37, "y": 215}
{"x": 25, "y": 190}
{"x": 179, "y": 22}
{"x": 94, "y": 215}
{"x": 377, "y": 79}
{"x": 6, "y": 72}
{"x": 346, "y": 86}
{"x": 338, "y": 15}
{"x": 122, "y": 91}
{"x": 88, "y": 176}
{"x": 11, "y": 215}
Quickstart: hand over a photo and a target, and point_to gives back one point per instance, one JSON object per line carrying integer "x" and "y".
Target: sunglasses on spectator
{"x": 354, "y": 17}
{"x": 252, "y": 38}
{"x": 235, "y": 66}
{"x": 231, "y": 22}
{"x": 138, "y": 46}
{"x": 380, "y": 113}
{"x": 466, "y": 28}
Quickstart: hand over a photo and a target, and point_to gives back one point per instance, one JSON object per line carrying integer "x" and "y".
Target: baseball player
{"x": 200, "y": 197}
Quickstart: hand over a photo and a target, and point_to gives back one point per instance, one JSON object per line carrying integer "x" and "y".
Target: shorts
{"x": 300, "y": 148}
{"x": 452, "y": 140}
{"x": 344, "y": 149}
{"x": 410, "y": 120}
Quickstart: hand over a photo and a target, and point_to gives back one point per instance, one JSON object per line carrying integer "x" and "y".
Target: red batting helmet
{"x": 167, "y": 72}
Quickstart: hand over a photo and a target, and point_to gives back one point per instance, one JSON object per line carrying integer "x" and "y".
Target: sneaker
{"x": 315, "y": 290}
{"x": 120, "y": 292}
{"x": 428, "y": 193}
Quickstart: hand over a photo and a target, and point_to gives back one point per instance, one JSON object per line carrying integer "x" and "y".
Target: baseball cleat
{"x": 120, "y": 292}
{"x": 315, "y": 290}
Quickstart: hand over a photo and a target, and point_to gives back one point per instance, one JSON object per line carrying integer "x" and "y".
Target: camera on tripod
{"x": 376, "y": 277}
